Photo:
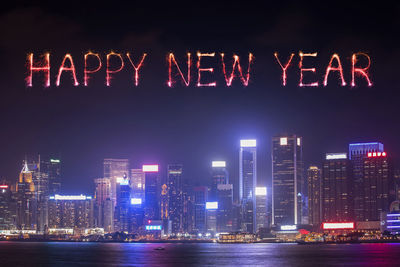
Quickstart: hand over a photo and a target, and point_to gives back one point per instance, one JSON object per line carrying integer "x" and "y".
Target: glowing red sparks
{"x": 137, "y": 68}
{"x": 189, "y": 64}
{"x": 360, "y": 71}
{"x": 284, "y": 68}
{"x": 302, "y": 55}
{"x": 236, "y": 64}
{"x": 86, "y": 71}
{"x": 200, "y": 70}
{"x": 338, "y": 68}
{"x": 71, "y": 68}
{"x": 108, "y": 71}
{"x": 41, "y": 67}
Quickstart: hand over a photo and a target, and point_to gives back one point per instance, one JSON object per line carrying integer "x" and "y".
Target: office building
{"x": 314, "y": 195}
{"x": 337, "y": 189}
{"x": 225, "y": 208}
{"x": 287, "y": 180}
{"x": 247, "y": 183}
{"x": 115, "y": 169}
{"x": 261, "y": 208}
{"x": 219, "y": 175}
{"x": 175, "y": 197}
{"x": 71, "y": 211}
{"x": 357, "y": 154}
{"x": 152, "y": 192}
{"x": 200, "y": 199}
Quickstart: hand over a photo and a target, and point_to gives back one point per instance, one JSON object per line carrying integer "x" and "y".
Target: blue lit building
{"x": 358, "y": 152}
{"x": 152, "y": 192}
{"x": 247, "y": 183}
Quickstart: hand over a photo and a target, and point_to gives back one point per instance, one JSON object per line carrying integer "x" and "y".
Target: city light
{"x": 70, "y": 197}
{"x": 248, "y": 143}
{"x": 136, "y": 201}
{"x": 122, "y": 181}
{"x": 261, "y": 191}
{"x": 288, "y": 227}
{"x": 333, "y": 226}
{"x": 153, "y": 227}
{"x": 4, "y": 186}
{"x": 150, "y": 168}
{"x": 218, "y": 164}
{"x": 54, "y": 160}
{"x": 211, "y": 205}
{"x": 376, "y": 154}
{"x": 283, "y": 141}
{"x": 330, "y": 156}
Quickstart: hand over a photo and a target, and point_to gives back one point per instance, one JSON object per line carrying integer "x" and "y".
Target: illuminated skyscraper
{"x": 357, "y": 154}
{"x": 175, "y": 197}
{"x": 6, "y": 207}
{"x": 378, "y": 185}
{"x": 247, "y": 183}
{"x": 287, "y": 180}
{"x": 337, "y": 189}
{"x": 137, "y": 183}
{"x": 225, "y": 208}
{"x": 261, "y": 208}
{"x": 152, "y": 192}
{"x": 104, "y": 213}
{"x": 115, "y": 169}
{"x": 122, "y": 208}
{"x": 219, "y": 176}
{"x": 26, "y": 203}
{"x": 200, "y": 199}
{"x": 314, "y": 195}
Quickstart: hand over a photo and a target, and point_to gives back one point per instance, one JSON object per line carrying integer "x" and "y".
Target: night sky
{"x": 153, "y": 123}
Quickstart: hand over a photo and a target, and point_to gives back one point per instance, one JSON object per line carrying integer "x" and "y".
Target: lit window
{"x": 283, "y": 141}
{"x": 298, "y": 141}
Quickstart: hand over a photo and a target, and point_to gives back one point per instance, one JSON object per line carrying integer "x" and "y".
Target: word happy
{"x": 191, "y": 71}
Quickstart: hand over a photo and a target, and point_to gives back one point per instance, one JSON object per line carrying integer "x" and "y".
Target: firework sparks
{"x": 360, "y": 71}
{"x": 86, "y": 72}
{"x": 284, "y": 68}
{"x": 108, "y": 71}
{"x": 236, "y": 65}
{"x": 63, "y": 68}
{"x": 302, "y": 55}
{"x": 137, "y": 68}
{"x": 200, "y": 70}
{"x": 42, "y": 67}
{"x": 171, "y": 59}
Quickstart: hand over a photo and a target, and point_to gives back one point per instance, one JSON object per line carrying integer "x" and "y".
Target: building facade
{"x": 287, "y": 180}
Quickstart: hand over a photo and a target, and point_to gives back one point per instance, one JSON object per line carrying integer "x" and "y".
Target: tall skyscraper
{"x": 52, "y": 167}
{"x": 219, "y": 176}
{"x": 122, "y": 208}
{"x": 115, "y": 169}
{"x": 357, "y": 154}
{"x": 104, "y": 213}
{"x": 137, "y": 183}
{"x": 261, "y": 208}
{"x": 26, "y": 207}
{"x": 378, "y": 186}
{"x": 175, "y": 197}
{"x": 337, "y": 189}
{"x": 152, "y": 192}
{"x": 287, "y": 180}
{"x": 314, "y": 195}
{"x": 200, "y": 199}
{"x": 225, "y": 208}
{"x": 6, "y": 207}
{"x": 247, "y": 183}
